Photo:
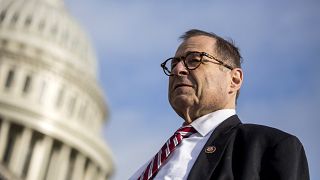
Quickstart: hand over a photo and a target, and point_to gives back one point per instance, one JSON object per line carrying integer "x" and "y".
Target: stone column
{"x": 39, "y": 159}
{"x": 20, "y": 151}
{"x": 79, "y": 165}
{"x": 4, "y": 132}
{"x": 59, "y": 164}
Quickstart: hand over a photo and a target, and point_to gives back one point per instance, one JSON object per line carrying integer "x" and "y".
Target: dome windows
{"x": 2, "y": 16}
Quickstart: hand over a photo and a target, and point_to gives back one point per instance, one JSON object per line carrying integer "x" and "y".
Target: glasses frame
{"x": 202, "y": 60}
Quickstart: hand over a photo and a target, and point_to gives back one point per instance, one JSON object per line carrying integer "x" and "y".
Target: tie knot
{"x": 186, "y": 131}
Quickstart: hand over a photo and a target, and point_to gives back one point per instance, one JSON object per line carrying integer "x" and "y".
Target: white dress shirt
{"x": 180, "y": 162}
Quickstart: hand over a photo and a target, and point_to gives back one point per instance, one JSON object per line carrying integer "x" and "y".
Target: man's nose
{"x": 180, "y": 69}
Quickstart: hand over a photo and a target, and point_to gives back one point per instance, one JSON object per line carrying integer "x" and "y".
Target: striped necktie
{"x": 156, "y": 162}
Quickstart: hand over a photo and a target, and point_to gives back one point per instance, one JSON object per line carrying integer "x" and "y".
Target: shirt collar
{"x": 209, "y": 122}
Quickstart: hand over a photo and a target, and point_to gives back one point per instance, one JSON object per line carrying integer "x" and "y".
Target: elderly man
{"x": 205, "y": 77}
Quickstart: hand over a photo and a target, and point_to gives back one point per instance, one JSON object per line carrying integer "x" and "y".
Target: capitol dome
{"x": 51, "y": 106}
{"x": 47, "y": 27}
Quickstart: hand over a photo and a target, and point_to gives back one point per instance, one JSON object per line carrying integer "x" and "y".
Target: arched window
{"x": 27, "y": 84}
{"x": 28, "y": 21}
{"x": 42, "y": 91}
{"x": 14, "y": 18}
{"x": 60, "y": 97}
{"x": 2, "y": 16}
{"x": 10, "y": 79}
{"x": 72, "y": 103}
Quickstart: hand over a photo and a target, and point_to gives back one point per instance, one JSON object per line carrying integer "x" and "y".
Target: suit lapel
{"x": 212, "y": 152}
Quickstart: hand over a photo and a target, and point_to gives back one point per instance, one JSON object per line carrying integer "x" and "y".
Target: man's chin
{"x": 182, "y": 102}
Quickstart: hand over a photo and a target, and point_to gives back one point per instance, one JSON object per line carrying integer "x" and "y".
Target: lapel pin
{"x": 210, "y": 149}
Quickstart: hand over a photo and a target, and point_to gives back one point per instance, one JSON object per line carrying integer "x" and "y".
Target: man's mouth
{"x": 182, "y": 85}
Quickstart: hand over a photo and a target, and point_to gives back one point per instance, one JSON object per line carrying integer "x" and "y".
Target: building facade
{"x": 51, "y": 106}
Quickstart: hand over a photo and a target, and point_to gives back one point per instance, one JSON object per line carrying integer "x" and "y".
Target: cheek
{"x": 210, "y": 82}
{"x": 170, "y": 86}
{"x": 170, "y": 83}
{"x": 214, "y": 85}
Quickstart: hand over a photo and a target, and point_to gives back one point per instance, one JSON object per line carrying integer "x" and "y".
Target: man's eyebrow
{"x": 184, "y": 55}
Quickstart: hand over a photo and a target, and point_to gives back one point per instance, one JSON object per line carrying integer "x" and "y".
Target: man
{"x": 205, "y": 77}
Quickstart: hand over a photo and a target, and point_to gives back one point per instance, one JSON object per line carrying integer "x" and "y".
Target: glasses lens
{"x": 173, "y": 62}
{"x": 193, "y": 60}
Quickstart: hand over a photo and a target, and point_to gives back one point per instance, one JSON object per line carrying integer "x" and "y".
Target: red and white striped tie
{"x": 154, "y": 165}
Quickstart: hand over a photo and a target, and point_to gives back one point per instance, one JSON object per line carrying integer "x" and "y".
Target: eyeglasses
{"x": 192, "y": 60}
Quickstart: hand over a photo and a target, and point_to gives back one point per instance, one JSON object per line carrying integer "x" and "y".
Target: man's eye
{"x": 174, "y": 63}
{"x": 194, "y": 61}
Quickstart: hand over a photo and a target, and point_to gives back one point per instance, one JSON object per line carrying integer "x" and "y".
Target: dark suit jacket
{"x": 249, "y": 152}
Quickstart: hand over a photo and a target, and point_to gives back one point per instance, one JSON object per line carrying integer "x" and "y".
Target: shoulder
{"x": 264, "y": 134}
{"x": 261, "y": 129}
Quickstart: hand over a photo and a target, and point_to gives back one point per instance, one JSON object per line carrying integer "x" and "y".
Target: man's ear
{"x": 236, "y": 79}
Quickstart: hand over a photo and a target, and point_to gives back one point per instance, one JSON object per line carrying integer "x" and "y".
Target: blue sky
{"x": 279, "y": 42}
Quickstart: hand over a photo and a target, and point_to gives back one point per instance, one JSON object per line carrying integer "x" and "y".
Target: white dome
{"x": 46, "y": 26}
{"x": 51, "y": 107}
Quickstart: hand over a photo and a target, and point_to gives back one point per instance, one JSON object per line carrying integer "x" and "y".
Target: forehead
{"x": 196, "y": 43}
